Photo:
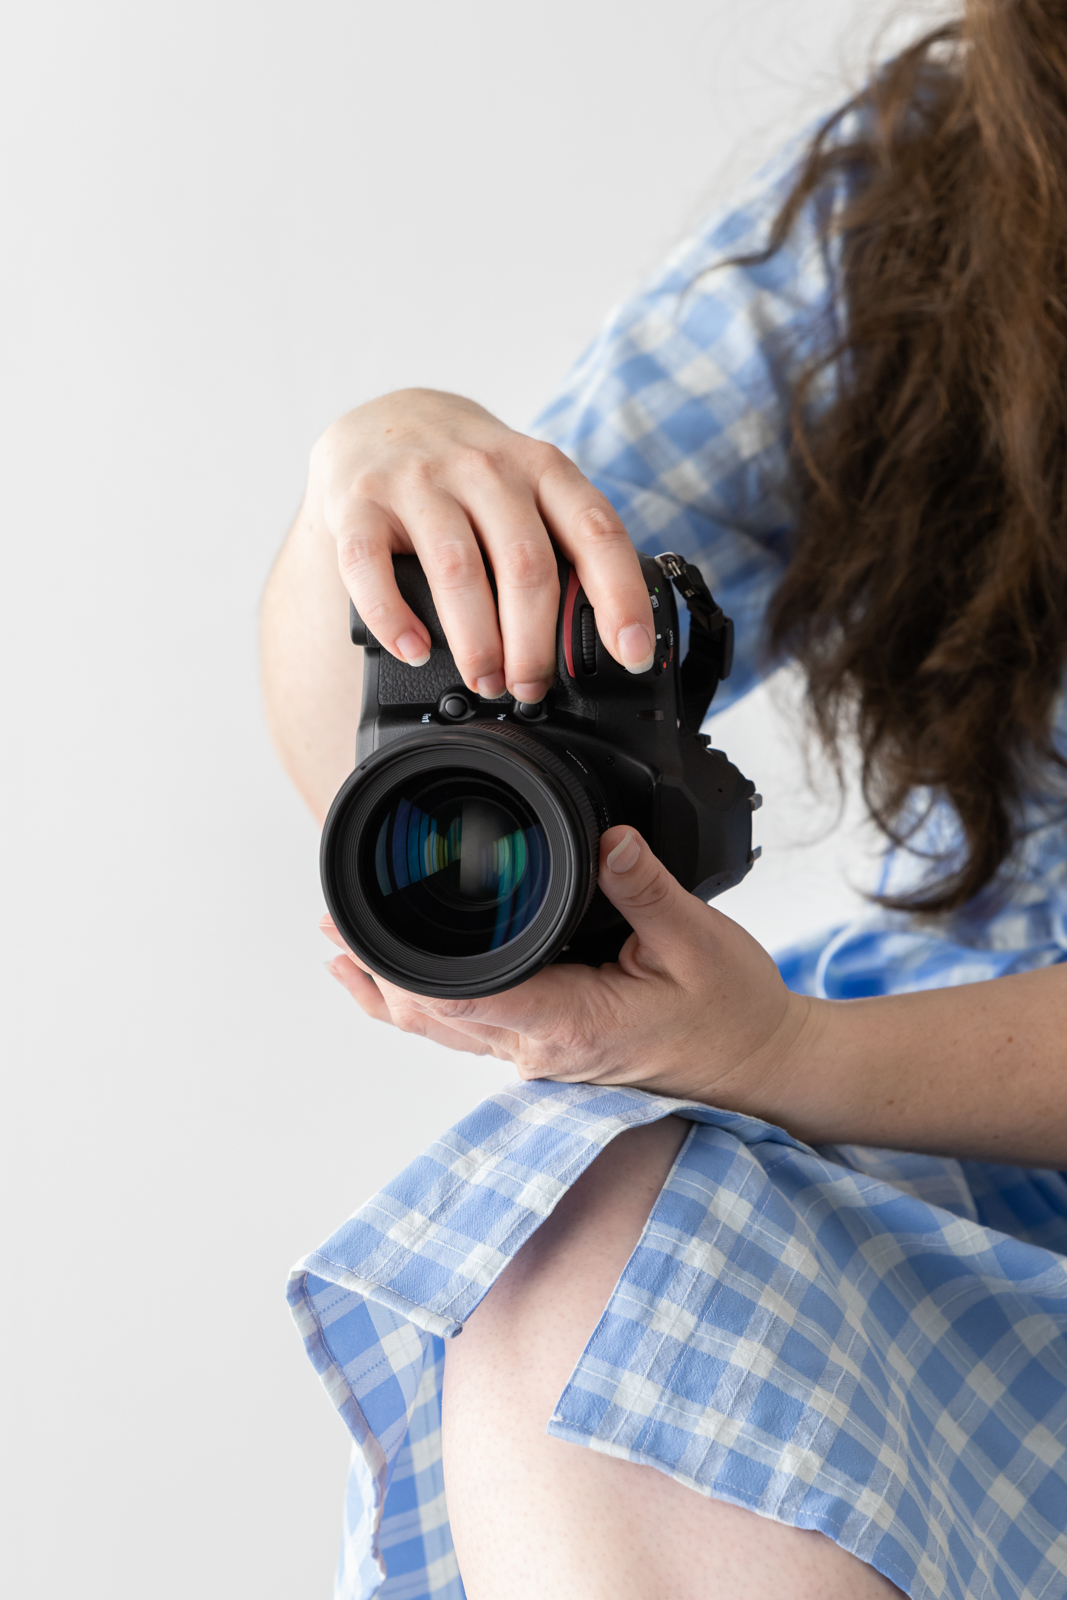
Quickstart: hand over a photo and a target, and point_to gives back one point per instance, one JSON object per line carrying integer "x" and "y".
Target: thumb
{"x": 637, "y": 883}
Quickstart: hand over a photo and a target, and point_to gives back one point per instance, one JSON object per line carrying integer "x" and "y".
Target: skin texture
{"x": 534, "y": 1516}
{"x": 694, "y": 1008}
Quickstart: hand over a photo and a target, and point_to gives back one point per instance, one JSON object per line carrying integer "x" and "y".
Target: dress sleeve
{"x": 679, "y": 411}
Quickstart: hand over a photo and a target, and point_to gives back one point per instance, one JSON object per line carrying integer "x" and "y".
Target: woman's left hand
{"x": 694, "y": 1008}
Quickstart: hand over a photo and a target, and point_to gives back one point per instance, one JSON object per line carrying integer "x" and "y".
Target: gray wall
{"x": 226, "y": 223}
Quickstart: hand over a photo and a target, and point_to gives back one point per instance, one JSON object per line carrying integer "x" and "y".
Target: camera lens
{"x": 458, "y": 864}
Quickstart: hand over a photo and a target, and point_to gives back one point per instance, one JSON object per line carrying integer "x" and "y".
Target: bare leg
{"x": 533, "y": 1516}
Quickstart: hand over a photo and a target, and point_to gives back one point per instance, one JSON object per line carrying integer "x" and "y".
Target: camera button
{"x": 454, "y": 706}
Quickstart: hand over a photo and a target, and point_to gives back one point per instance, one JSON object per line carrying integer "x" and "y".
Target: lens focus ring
{"x": 534, "y": 750}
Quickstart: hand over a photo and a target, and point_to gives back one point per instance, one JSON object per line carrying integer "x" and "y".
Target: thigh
{"x": 534, "y": 1516}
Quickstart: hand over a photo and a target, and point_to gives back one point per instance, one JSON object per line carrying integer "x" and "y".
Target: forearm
{"x": 312, "y": 673}
{"x": 978, "y": 1071}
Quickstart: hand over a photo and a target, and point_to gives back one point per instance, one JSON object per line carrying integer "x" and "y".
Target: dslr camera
{"x": 461, "y": 855}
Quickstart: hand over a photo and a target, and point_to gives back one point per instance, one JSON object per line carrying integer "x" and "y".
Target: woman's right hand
{"x": 434, "y": 474}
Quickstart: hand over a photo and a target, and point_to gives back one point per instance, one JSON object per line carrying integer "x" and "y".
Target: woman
{"x": 817, "y": 1271}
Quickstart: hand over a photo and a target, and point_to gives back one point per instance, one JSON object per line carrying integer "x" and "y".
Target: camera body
{"x": 604, "y": 746}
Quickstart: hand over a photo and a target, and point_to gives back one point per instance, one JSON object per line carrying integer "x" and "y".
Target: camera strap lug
{"x": 711, "y": 638}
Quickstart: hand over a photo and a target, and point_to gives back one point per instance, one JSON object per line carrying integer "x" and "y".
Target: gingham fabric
{"x": 855, "y": 1352}
{"x": 868, "y": 1343}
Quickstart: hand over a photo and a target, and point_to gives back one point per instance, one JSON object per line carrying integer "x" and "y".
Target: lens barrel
{"x": 458, "y": 866}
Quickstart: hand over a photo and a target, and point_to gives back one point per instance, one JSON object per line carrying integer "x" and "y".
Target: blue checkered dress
{"x": 865, "y": 1342}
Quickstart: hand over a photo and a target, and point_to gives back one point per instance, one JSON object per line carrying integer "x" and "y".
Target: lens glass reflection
{"x": 456, "y": 866}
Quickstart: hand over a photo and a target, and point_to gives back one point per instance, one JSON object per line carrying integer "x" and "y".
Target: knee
{"x": 534, "y": 1323}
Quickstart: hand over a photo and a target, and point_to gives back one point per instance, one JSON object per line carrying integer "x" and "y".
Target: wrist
{"x": 809, "y": 1090}
{"x": 790, "y": 1081}
{"x": 837, "y": 1083}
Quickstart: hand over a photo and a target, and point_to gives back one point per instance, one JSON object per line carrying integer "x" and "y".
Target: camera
{"x": 461, "y": 855}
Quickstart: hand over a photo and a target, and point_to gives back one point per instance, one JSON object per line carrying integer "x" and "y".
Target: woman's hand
{"x": 434, "y": 474}
{"x": 694, "y": 1008}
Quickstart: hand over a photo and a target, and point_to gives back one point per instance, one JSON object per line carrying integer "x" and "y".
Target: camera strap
{"x": 711, "y": 639}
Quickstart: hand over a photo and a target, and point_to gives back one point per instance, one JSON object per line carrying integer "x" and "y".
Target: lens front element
{"x": 457, "y": 866}
{"x": 459, "y": 863}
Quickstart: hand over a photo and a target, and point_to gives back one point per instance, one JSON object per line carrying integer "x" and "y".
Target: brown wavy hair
{"x": 927, "y": 595}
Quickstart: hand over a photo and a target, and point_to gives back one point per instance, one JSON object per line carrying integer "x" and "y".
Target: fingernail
{"x": 528, "y": 693}
{"x": 636, "y": 647}
{"x": 492, "y": 687}
{"x": 332, "y": 970}
{"x": 626, "y": 854}
{"x": 413, "y": 648}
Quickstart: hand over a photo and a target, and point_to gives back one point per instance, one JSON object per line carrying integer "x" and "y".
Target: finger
{"x": 566, "y": 1024}
{"x": 524, "y": 564}
{"x": 361, "y": 986}
{"x": 387, "y": 1003}
{"x": 414, "y": 1013}
{"x": 560, "y": 1002}
{"x": 570, "y": 1024}
{"x": 371, "y": 999}
{"x": 329, "y": 927}
{"x": 366, "y": 539}
{"x": 451, "y": 558}
{"x": 503, "y": 1043}
{"x": 592, "y": 536}
{"x": 665, "y": 918}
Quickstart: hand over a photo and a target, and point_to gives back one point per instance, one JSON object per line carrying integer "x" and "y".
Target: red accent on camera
{"x": 568, "y": 619}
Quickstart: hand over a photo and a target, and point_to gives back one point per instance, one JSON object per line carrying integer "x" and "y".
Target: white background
{"x": 226, "y": 223}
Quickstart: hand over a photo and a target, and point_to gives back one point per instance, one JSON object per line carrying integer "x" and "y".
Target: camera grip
{"x": 399, "y": 684}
